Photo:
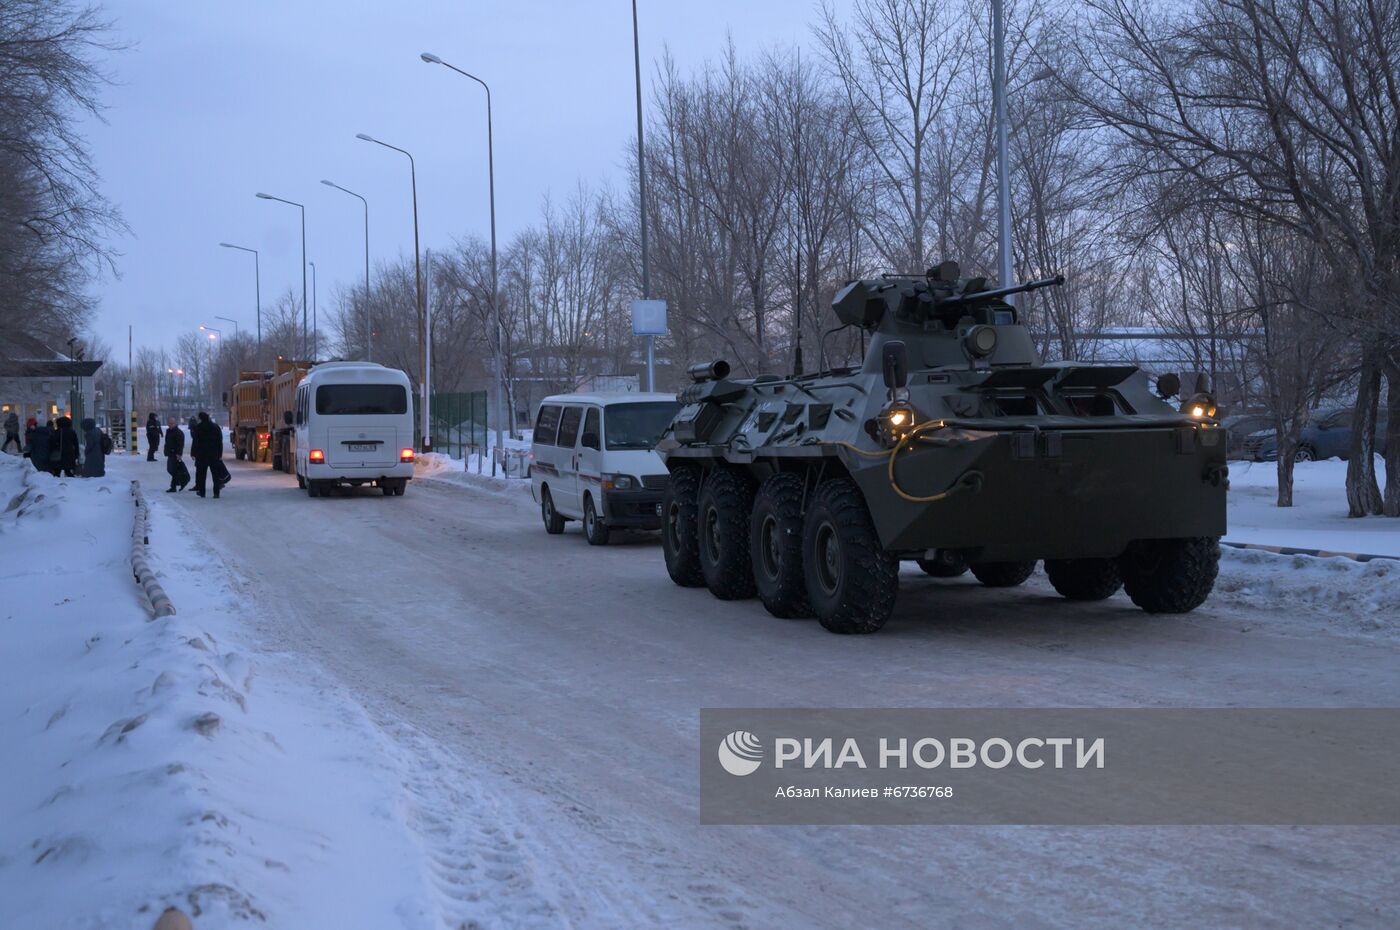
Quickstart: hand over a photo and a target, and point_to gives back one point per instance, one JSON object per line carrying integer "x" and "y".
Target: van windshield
{"x": 637, "y": 426}
{"x": 348, "y": 399}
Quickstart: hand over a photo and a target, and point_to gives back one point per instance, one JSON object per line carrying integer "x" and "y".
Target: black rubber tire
{"x": 1003, "y": 574}
{"x": 775, "y": 546}
{"x": 680, "y": 514}
{"x": 722, "y": 527}
{"x": 313, "y": 489}
{"x": 942, "y": 567}
{"x": 1305, "y": 453}
{"x": 386, "y": 488}
{"x": 301, "y": 482}
{"x": 553, "y": 521}
{"x": 400, "y": 486}
{"x": 851, "y": 581}
{"x": 1170, "y": 576}
{"x": 594, "y": 529}
{"x": 238, "y": 452}
{"x": 1084, "y": 579}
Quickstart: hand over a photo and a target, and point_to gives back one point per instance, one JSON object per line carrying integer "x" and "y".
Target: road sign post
{"x": 649, "y": 320}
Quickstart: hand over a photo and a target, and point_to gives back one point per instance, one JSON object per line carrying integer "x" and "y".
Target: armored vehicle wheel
{"x": 726, "y": 501}
{"x": 594, "y": 529}
{"x": 553, "y": 521}
{"x": 1084, "y": 579}
{"x": 1170, "y": 576}
{"x": 851, "y": 581}
{"x": 947, "y": 564}
{"x": 775, "y": 544}
{"x": 679, "y": 540}
{"x": 1003, "y": 574}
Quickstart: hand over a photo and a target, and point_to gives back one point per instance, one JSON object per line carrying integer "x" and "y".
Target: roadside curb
{"x": 160, "y": 603}
{"x": 1315, "y": 553}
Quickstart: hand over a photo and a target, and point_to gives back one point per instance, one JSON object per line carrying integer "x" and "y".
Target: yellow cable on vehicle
{"x": 967, "y": 481}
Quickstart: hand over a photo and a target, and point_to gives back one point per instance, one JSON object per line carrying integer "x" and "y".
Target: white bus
{"x": 353, "y": 425}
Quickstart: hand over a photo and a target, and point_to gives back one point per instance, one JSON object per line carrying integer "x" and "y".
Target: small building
{"x": 36, "y": 381}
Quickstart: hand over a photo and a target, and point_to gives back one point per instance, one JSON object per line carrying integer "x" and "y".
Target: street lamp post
{"x": 418, "y": 282}
{"x": 230, "y": 320}
{"x": 315, "y": 329}
{"x": 495, "y": 290}
{"x": 369, "y": 326}
{"x": 257, "y": 291}
{"x": 214, "y": 336}
{"x": 1003, "y": 168}
{"x": 302, "y": 208}
{"x": 642, "y": 191}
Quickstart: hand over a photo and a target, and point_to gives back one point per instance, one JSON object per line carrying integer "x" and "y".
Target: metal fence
{"x": 457, "y": 421}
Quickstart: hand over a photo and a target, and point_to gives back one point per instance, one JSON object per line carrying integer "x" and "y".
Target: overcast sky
{"x": 218, "y": 100}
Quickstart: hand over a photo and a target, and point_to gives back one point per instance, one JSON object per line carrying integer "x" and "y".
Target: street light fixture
{"x": 257, "y": 288}
{"x": 369, "y": 327}
{"x": 302, "y": 208}
{"x": 425, "y": 388}
{"x": 495, "y": 291}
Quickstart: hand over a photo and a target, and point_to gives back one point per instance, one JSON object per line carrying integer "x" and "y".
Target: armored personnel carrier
{"x": 954, "y": 446}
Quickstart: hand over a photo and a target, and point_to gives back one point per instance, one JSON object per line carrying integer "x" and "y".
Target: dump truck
{"x": 282, "y": 396}
{"x": 952, "y": 445}
{"x": 248, "y": 420}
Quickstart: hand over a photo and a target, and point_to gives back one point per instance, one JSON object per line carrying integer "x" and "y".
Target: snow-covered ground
{"x": 431, "y": 714}
{"x": 1318, "y": 518}
{"x": 171, "y": 763}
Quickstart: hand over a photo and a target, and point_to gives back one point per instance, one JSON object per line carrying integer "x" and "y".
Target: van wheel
{"x": 387, "y": 488}
{"x": 553, "y": 522}
{"x": 400, "y": 486}
{"x": 594, "y": 529}
{"x": 851, "y": 581}
{"x": 301, "y": 482}
{"x": 725, "y": 508}
{"x": 775, "y": 545}
{"x": 679, "y": 540}
{"x": 313, "y": 488}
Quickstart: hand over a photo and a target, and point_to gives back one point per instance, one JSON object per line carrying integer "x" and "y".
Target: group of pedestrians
{"x": 206, "y": 441}
{"x": 53, "y": 445}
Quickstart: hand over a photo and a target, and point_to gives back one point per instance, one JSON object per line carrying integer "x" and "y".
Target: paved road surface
{"x": 562, "y": 684}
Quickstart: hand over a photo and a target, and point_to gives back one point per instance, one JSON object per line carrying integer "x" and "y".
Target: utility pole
{"x": 642, "y": 191}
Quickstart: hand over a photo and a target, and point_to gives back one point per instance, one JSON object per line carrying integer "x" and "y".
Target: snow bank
{"x": 149, "y": 764}
{"x": 1347, "y": 596}
{"x": 1318, "y": 518}
{"x": 434, "y": 466}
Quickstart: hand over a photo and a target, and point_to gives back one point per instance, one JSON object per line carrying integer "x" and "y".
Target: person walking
{"x": 152, "y": 437}
{"x": 65, "y": 443}
{"x": 96, "y": 445}
{"x": 39, "y": 437}
{"x": 207, "y": 447}
{"x": 174, "y": 465}
{"x": 12, "y": 433}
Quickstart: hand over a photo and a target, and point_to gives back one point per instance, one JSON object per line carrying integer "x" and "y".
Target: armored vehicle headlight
{"x": 1201, "y": 406}
{"x": 980, "y": 341}
{"x": 897, "y": 419}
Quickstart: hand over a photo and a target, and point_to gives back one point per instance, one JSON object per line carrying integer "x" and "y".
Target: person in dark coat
{"x": 174, "y": 465}
{"x": 207, "y": 447}
{"x": 94, "y": 456}
{"x": 29, "y": 434}
{"x": 65, "y": 439}
{"x": 39, "y": 436}
{"x": 11, "y": 433}
{"x": 152, "y": 437}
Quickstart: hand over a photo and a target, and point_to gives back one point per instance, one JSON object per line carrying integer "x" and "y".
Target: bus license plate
{"x": 362, "y": 447}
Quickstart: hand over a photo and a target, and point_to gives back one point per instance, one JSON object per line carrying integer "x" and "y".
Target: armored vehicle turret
{"x": 953, "y": 445}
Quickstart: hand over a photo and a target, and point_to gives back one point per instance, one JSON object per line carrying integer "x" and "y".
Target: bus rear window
{"x": 352, "y": 399}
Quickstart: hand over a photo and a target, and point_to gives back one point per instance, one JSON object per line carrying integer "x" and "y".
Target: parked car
{"x": 593, "y": 460}
{"x": 1239, "y": 427}
{"x": 1326, "y": 435}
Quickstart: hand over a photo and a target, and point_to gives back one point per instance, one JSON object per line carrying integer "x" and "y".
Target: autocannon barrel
{"x": 708, "y": 371}
{"x": 1003, "y": 291}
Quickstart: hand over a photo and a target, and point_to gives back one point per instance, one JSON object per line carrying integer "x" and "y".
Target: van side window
{"x": 568, "y": 426}
{"x": 547, "y": 425}
{"x": 301, "y": 415}
{"x": 593, "y": 430}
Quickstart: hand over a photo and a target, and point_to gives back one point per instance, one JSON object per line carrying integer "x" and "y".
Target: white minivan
{"x": 354, "y": 425}
{"x": 593, "y": 460}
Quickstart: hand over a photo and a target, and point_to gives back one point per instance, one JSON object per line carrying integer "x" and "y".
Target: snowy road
{"x": 552, "y": 691}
